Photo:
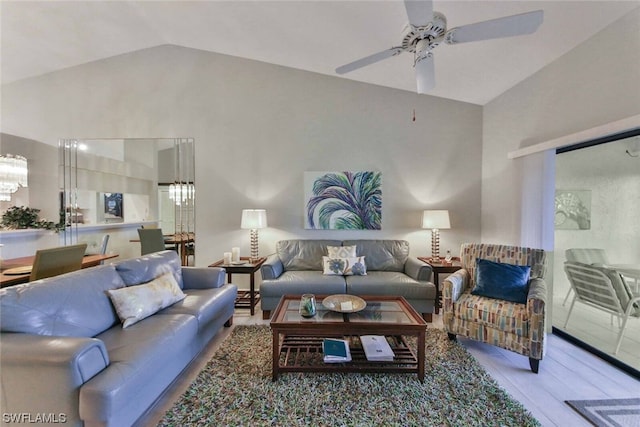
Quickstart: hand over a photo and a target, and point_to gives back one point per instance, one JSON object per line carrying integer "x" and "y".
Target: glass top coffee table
{"x": 297, "y": 341}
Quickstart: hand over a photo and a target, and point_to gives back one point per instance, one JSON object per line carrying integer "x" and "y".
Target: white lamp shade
{"x": 253, "y": 218}
{"x": 436, "y": 219}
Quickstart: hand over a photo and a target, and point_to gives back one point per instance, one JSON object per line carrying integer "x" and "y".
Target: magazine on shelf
{"x": 336, "y": 350}
{"x": 376, "y": 348}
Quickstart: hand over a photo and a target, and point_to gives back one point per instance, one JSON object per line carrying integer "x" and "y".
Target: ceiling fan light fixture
{"x": 427, "y": 29}
{"x": 425, "y": 75}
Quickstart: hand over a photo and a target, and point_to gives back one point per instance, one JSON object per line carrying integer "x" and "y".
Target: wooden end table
{"x": 246, "y": 299}
{"x": 438, "y": 268}
{"x": 297, "y": 341}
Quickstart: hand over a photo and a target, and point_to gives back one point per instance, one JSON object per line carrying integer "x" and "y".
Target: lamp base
{"x": 254, "y": 246}
{"x": 435, "y": 245}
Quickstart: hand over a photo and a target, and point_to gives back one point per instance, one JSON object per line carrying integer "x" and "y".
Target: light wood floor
{"x": 566, "y": 373}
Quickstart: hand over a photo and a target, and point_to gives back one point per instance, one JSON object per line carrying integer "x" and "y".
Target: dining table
{"x": 181, "y": 241}
{"x": 15, "y": 279}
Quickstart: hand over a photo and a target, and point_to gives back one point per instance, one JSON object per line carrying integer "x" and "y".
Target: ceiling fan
{"x": 427, "y": 29}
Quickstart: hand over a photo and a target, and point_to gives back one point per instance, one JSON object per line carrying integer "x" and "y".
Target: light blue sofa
{"x": 64, "y": 352}
{"x": 296, "y": 268}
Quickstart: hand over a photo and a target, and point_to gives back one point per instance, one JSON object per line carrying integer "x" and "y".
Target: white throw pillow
{"x": 353, "y": 266}
{"x": 341, "y": 251}
{"x": 137, "y": 302}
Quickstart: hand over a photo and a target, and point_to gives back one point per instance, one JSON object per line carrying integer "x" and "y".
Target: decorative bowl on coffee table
{"x": 343, "y": 303}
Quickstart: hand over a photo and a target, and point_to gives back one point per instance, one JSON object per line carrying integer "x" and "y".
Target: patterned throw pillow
{"x": 341, "y": 251}
{"x": 138, "y": 302}
{"x": 353, "y": 266}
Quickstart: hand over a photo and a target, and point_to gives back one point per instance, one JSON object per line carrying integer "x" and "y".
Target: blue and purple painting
{"x": 343, "y": 200}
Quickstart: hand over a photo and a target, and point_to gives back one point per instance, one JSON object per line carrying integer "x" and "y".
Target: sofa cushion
{"x": 146, "y": 268}
{"x": 150, "y": 353}
{"x": 73, "y": 304}
{"x": 341, "y": 251}
{"x": 204, "y": 304}
{"x": 390, "y": 283}
{"x": 134, "y": 303}
{"x": 300, "y": 255}
{"x": 499, "y": 314}
{"x": 382, "y": 255}
{"x": 301, "y": 282}
{"x": 344, "y": 266}
{"x": 502, "y": 281}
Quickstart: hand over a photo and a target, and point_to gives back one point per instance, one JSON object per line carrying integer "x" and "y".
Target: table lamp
{"x": 435, "y": 220}
{"x": 253, "y": 219}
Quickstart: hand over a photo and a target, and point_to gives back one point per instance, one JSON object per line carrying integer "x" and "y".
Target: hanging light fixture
{"x": 13, "y": 174}
{"x": 181, "y": 193}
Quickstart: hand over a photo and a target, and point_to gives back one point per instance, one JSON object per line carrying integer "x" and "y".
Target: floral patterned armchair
{"x": 513, "y": 326}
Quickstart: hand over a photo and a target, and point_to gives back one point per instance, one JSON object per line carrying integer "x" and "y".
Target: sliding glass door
{"x": 597, "y": 224}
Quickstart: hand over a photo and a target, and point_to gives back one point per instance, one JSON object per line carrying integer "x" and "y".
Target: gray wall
{"x": 258, "y": 128}
{"x": 594, "y": 84}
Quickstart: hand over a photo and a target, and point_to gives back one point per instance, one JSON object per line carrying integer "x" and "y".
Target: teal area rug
{"x": 609, "y": 412}
{"x": 235, "y": 389}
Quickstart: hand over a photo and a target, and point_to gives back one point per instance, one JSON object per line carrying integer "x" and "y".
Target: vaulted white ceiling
{"x": 39, "y": 37}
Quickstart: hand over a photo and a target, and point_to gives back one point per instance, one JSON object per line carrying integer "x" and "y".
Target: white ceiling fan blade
{"x": 368, "y": 60}
{"x": 425, "y": 74}
{"x": 419, "y": 12}
{"x": 508, "y": 26}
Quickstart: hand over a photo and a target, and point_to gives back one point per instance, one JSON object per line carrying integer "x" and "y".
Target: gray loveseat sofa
{"x": 65, "y": 356}
{"x": 296, "y": 268}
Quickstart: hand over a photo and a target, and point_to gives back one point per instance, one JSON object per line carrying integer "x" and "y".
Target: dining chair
{"x": 103, "y": 246}
{"x": 167, "y": 246}
{"x": 151, "y": 240}
{"x": 55, "y": 261}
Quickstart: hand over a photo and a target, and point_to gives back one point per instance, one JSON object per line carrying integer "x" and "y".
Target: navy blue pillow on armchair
{"x": 502, "y": 281}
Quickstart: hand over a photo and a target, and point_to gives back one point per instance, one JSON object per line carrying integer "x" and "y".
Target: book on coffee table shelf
{"x": 376, "y": 348}
{"x": 336, "y": 350}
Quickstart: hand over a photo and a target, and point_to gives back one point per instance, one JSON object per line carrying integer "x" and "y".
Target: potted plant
{"x": 21, "y": 217}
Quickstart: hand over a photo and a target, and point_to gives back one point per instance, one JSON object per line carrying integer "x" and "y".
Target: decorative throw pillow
{"x": 137, "y": 302}
{"x": 502, "y": 281}
{"x": 353, "y": 266}
{"x": 341, "y": 251}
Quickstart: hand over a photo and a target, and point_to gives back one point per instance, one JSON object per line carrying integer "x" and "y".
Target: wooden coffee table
{"x": 297, "y": 341}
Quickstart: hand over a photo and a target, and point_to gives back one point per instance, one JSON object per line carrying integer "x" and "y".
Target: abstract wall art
{"x": 343, "y": 200}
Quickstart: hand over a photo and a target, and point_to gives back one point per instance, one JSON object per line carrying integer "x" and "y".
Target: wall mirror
{"x": 146, "y": 182}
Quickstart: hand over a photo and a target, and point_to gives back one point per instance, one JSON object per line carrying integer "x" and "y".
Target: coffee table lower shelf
{"x": 299, "y": 353}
